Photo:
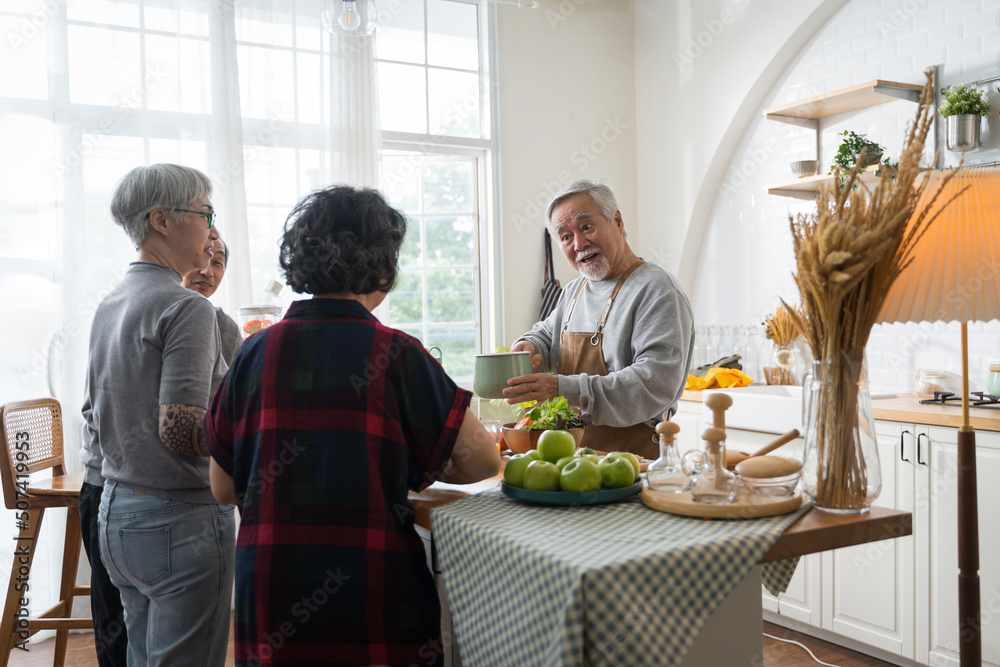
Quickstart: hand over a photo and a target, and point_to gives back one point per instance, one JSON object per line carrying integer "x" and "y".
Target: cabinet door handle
{"x": 901, "y": 457}
{"x": 921, "y": 435}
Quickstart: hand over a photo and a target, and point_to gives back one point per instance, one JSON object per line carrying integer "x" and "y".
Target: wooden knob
{"x": 668, "y": 429}
{"x": 714, "y": 435}
{"x": 718, "y": 404}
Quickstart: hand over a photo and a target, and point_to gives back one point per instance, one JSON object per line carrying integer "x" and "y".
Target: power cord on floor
{"x": 799, "y": 644}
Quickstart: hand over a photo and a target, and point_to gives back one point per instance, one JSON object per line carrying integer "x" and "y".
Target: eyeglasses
{"x": 209, "y": 215}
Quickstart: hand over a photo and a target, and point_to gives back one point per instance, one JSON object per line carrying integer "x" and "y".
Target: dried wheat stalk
{"x": 783, "y": 326}
{"x": 848, "y": 254}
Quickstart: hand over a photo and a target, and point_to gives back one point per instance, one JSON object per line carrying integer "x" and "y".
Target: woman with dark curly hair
{"x": 325, "y": 422}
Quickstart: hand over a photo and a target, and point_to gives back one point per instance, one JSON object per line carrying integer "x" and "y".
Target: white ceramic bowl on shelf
{"x": 803, "y": 168}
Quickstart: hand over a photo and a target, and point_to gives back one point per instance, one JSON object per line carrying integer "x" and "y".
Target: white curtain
{"x": 354, "y": 118}
{"x": 252, "y": 92}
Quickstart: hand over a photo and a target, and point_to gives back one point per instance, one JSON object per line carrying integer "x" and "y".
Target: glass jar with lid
{"x": 929, "y": 382}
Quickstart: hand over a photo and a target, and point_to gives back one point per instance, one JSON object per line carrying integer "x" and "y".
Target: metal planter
{"x": 962, "y": 132}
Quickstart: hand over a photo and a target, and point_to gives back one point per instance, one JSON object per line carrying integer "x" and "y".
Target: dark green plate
{"x": 571, "y": 498}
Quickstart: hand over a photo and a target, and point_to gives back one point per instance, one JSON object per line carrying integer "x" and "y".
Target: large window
{"x": 434, "y": 96}
{"x": 91, "y": 88}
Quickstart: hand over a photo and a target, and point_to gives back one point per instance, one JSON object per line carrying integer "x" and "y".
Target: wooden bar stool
{"x": 32, "y": 439}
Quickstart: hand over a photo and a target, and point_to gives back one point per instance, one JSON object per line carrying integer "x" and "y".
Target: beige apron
{"x": 581, "y": 352}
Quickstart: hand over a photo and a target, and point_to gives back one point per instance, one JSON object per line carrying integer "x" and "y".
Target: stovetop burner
{"x": 977, "y": 399}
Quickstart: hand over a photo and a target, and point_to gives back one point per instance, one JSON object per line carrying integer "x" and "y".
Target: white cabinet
{"x": 688, "y": 417}
{"x": 869, "y": 592}
{"x": 900, "y": 595}
{"x": 897, "y": 595}
{"x": 937, "y": 536}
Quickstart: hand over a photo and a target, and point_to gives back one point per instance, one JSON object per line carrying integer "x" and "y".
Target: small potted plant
{"x": 850, "y": 151}
{"x": 963, "y": 108}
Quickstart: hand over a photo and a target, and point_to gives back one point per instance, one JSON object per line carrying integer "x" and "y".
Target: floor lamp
{"x": 953, "y": 278}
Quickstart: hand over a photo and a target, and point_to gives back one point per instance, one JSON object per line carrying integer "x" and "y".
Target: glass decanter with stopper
{"x": 665, "y": 473}
{"x": 711, "y": 482}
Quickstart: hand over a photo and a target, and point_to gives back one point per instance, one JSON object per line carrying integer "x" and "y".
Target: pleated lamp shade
{"x": 954, "y": 277}
{"x": 955, "y": 273}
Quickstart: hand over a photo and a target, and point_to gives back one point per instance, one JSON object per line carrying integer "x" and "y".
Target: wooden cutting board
{"x": 747, "y": 505}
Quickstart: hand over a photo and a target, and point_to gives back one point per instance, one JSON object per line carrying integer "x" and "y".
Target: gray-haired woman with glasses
{"x": 155, "y": 360}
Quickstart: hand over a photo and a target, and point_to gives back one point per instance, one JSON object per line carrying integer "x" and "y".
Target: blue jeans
{"x": 173, "y": 564}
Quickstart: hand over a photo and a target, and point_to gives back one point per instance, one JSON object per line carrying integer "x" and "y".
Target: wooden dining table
{"x": 815, "y": 531}
{"x": 738, "y": 616}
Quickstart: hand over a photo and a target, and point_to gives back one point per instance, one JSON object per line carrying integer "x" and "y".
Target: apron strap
{"x": 607, "y": 306}
{"x": 572, "y": 305}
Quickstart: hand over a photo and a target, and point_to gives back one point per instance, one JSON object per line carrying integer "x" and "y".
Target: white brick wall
{"x": 748, "y": 232}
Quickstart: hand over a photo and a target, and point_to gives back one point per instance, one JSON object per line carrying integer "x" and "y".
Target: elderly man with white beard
{"x": 621, "y": 337}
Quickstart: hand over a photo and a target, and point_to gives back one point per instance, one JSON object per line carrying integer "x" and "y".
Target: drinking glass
{"x": 711, "y": 344}
{"x": 493, "y": 427}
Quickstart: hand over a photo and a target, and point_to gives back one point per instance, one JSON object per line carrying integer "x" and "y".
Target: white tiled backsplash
{"x": 749, "y": 233}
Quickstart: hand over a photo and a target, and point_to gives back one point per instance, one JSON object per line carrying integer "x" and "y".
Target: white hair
{"x": 599, "y": 190}
{"x": 144, "y": 189}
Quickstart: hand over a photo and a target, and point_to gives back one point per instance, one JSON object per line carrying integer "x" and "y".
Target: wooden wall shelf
{"x": 809, "y": 186}
{"x": 808, "y": 112}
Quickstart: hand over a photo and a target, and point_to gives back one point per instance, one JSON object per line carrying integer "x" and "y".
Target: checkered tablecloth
{"x": 605, "y": 585}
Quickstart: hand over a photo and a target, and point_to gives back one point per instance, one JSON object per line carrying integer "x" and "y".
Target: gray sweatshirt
{"x": 648, "y": 343}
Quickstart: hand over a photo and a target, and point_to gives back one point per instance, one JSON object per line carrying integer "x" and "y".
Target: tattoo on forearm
{"x": 182, "y": 429}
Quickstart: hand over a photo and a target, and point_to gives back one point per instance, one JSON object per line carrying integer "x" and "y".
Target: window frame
{"x": 487, "y": 266}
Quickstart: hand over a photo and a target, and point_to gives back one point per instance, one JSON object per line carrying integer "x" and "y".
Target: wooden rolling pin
{"x": 734, "y": 456}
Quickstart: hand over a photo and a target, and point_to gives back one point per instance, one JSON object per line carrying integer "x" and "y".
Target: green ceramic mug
{"x": 493, "y": 370}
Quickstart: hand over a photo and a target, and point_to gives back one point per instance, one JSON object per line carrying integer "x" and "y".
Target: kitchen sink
{"x": 766, "y": 408}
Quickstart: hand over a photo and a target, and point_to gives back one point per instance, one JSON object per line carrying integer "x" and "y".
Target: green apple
{"x": 532, "y": 454}
{"x": 513, "y": 472}
{"x": 580, "y": 475}
{"x": 632, "y": 458}
{"x": 583, "y": 451}
{"x": 541, "y": 476}
{"x": 596, "y": 458}
{"x": 616, "y": 472}
{"x": 555, "y": 444}
{"x": 561, "y": 463}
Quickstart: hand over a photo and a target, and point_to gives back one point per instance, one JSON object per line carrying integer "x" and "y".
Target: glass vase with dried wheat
{"x": 848, "y": 253}
{"x": 782, "y": 328}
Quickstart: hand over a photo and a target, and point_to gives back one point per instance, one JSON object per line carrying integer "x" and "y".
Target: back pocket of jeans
{"x": 147, "y": 553}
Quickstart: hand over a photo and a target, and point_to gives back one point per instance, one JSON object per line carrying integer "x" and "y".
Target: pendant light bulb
{"x": 349, "y": 18}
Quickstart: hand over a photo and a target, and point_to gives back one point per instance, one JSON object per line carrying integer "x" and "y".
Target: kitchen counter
{"x": 907, "y": 409}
